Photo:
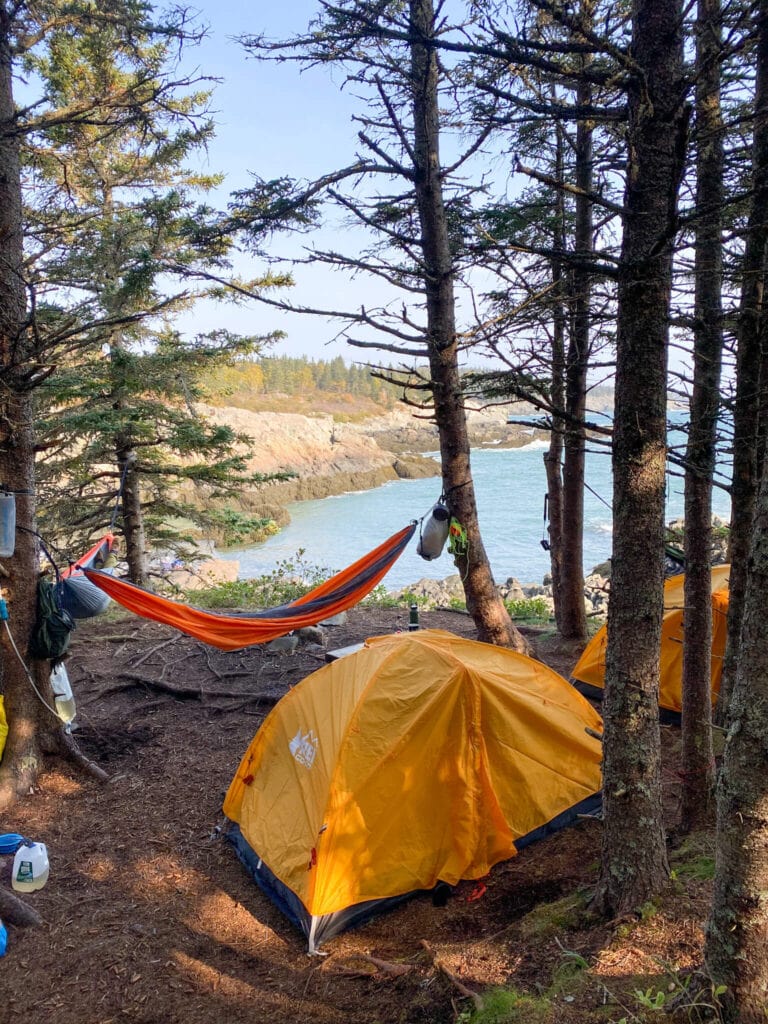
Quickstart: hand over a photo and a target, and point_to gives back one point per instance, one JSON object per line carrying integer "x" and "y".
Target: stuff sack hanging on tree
{"x": 434, "y": 532}
{"x": 53, "y": 626}
{"x": 458, "y": 543}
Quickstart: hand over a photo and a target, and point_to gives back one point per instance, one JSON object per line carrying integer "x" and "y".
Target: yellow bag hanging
{"x": 3, "y": 727}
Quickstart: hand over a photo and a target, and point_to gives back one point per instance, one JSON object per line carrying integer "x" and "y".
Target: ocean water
{"x": 510, "y": 484}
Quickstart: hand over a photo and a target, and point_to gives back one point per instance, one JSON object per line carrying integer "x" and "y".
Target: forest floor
{"x": 149, "y": 917}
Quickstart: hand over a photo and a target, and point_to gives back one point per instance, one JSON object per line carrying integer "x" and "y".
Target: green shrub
{"x": 506, "y": 1006}
{"x": 694, "y": 858}
{"x": 289, "y": 580}
{"x": 380, "y": 597}
{"x": 230, "y": 527}
{"x": 528, "y": 608}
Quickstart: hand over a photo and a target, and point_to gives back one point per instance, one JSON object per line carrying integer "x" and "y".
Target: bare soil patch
{"x": 149, "y": 917}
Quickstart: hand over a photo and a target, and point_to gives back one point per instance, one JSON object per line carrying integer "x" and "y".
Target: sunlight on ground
{"x": 165, "y": 876}
{"x": 61, "y": 785}
{"x": 99, "y": 868}
{"x": 208, "y": 981}
{"x": 222, "y": 919}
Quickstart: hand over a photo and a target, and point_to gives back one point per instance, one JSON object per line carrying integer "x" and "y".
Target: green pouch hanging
{"x": 457, "y": 538}
{"x": 53, "y": 626}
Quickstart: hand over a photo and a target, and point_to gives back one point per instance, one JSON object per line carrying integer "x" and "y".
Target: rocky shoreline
{"x": 446, "y": 593}
{"x": 329, "y": 458}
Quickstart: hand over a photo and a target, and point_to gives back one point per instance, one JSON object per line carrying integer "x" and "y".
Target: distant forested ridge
{"x": 241, "y": 382}
{"x": 246, "y": 381}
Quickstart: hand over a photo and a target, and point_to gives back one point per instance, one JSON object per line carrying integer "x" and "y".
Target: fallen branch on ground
{"x": 440, "y": 966}
{"x": 74, "y": 753}
{"x": 382, "y": 965}
{"x": 180, "y": 692}
{"x": 16, "y": 911}
{"x": 153, "y": 650}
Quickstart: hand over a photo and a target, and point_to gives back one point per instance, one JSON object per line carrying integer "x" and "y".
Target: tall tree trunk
{"x": 483, "y": 600}
{"x": 30, "y": 725}
{"x": 554, "y": 453}
{"x": 697, "y": 756}
{"x": 634, "y": 861}
{"x": 133, "y": 515}
{"x": 573, "y": 624}
{"x": 736, "y": 951}
{"x": 748, "y": 365}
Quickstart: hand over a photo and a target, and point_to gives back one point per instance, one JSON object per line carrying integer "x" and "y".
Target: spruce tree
{"x": 43, "y": 328}
{"x": 115, "y": 217}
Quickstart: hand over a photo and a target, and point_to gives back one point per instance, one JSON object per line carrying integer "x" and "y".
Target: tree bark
{"x": 484, "y": 603}
{"x": 697, "y": 757}
{"x": 133, "y": 516}
{"x": 33, "y": 726}
{"x": 749, "y": 368}
{"x": 573, "y": 624}
{"x": 634, "y": 861}
{"x": 553, "y": 457}
{"x": 736, "y": 951}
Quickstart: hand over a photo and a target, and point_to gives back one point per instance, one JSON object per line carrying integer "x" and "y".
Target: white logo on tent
{"x": 304, "y": 747}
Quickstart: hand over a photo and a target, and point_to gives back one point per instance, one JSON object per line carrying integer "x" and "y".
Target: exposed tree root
{"x": 71, "y": 750}
{"x": 459, "y": 985}
{"x": 16, "y": 911}
{"x": 395, "y": 970}
{"x": 179, "y": 692}
{"x": 153, "y": 650}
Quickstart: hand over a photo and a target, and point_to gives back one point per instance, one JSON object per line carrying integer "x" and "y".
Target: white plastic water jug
{"x": 62, "y": 692}
{"x": 30, "y": 867}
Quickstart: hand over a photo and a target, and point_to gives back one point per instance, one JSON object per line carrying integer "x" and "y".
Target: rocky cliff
{"x": 328, "y": 457}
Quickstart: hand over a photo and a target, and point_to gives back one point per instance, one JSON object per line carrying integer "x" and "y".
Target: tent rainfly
{"x": 421, "y": 758}
{"x": 588, "y": 675}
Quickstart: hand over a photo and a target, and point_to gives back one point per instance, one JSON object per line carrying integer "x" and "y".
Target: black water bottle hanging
{"x": 544, "y": 539}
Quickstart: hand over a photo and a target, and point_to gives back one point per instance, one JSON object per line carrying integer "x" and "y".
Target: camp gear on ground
{"x": 434, "y": 532}
{"x": 232, "y": 632}
{"x": 589, "y": 673}
{"x": 10, "y": 842}
{"x": 413, "y": 617}
{"x": 421, "y": 758}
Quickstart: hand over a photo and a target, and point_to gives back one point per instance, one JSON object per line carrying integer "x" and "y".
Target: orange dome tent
{"x": 589, "y": 673}
{"x": 422, "y": 757}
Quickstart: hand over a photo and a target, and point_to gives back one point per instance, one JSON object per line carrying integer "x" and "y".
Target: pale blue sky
{"x": 274, "y": 120}
{"x": 271, "y": 118}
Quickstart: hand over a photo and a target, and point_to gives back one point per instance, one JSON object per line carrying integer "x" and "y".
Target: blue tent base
{"x": 317, "y": 929}
{"x": 320, "y": 929}
{"x": 589, "y": 807}
{"x": 595, "y": 693}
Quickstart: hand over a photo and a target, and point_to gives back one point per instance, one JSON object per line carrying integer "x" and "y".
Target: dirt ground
{"x": 149, "y": 916}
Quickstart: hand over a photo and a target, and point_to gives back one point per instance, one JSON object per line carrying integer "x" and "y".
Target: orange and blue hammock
{"x": 74, "y": 591}
{"x": 233, "y": 632}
